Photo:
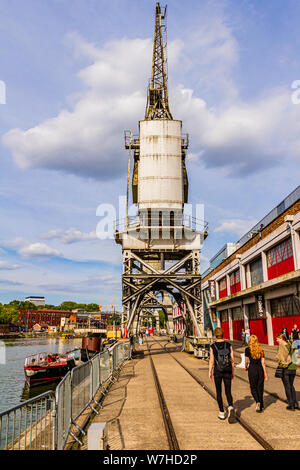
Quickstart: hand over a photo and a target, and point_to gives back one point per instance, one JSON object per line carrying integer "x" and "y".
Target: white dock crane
{"x": 161, "y": 245}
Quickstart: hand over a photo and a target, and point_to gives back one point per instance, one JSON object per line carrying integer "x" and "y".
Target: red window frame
{"x": 280, "y": 259}
{"x": 235, "y": 282}
{"x": 222, "y": 288}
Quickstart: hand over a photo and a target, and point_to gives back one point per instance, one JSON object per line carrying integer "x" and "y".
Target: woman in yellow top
{"x": 284, "y": 357}
{"x": 255, "y": 365}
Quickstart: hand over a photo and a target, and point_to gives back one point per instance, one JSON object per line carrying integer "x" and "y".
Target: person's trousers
{"x": 226, "y": 378}
{"x": 256, "y": 380}
{"x": 288, "y": 382}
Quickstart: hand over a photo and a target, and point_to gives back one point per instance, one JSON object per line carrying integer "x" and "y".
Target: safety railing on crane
{"x": 160, "y": 221}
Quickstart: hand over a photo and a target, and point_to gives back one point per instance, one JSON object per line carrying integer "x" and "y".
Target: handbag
{"x": 279, "y": 372}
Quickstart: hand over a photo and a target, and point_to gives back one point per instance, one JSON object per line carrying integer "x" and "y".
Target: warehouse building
{"x": 255, "y": 283}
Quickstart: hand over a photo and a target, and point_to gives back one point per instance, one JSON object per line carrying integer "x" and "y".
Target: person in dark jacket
{"x": 285, "y": 332}
{"x": 255, "y": 365}
{"x": 221, "y": 361}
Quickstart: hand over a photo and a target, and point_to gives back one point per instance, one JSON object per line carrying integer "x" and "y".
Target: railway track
{"x": 169, "y": 428}
{"x": 167, "y": 420}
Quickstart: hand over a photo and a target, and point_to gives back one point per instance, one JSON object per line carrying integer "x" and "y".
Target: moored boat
{"x": 45, "y": 368}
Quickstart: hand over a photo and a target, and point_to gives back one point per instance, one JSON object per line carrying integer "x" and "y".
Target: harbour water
{"x": 12, "y": 380}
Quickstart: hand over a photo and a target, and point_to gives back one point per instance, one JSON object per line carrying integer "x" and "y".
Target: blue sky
{"x": 76, "y": 73}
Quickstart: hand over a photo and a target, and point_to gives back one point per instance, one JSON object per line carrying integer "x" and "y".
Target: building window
{"x": 222, "y": 288}
{"x": 235, "y": 282}
{"x": 223, "y": 315}
{"x": 237, "y": 313}
{"x": 285, "y": 306}
{"x": 280, "y": 259}
{"x": 256, "y": 272}
{"x": 252, "y": 312}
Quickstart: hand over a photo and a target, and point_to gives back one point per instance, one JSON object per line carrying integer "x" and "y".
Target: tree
{"x": 162, "y": 318}
{"x": 68, "y": 305}
{"x": 22, "y": 305}
{"x": 52, "y": 307}
{"x": 92, "y": 307}
{"x": 8, "y": 314}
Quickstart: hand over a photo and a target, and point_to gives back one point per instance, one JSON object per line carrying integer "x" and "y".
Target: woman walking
{"x": 221, "y": 368}
{"x": 284, "y": 357}
{"x": 255, "y": 365}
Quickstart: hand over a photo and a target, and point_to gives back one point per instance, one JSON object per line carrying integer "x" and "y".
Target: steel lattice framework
{"x": 158, "y": 101}
{"x": 161, "y": 245}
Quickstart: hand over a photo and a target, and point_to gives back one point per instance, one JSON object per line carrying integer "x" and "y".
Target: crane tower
{"x": 161, "y": 245}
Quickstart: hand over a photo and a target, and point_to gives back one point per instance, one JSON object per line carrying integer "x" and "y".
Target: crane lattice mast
{"x": 157, "y": 101}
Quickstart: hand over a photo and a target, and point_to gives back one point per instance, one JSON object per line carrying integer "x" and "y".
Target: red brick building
{"x": 28, "y": 318}
{"x": 255, "y": 283}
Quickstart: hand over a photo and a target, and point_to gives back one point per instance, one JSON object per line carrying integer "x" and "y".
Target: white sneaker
{"x": 231, "y": 415}
{"x": 257, "y": 407}
{"x": 222, "y": 415}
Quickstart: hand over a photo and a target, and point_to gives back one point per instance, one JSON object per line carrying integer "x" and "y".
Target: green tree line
{"x": 9, "y": 313}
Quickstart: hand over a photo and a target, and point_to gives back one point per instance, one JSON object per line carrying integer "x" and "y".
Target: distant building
{"x": 178, "y": 320}
{"x": 38, "y": 301}
{"x": 48, "y": 317}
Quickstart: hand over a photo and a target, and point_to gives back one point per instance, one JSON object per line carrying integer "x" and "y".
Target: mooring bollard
{"x": 97, "y": 436}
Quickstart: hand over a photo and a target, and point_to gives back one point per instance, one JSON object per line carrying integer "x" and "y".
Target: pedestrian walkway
{"x": 134, "y": 420}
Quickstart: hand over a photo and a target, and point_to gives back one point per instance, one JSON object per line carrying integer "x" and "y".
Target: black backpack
{"x": 222, "y": 358}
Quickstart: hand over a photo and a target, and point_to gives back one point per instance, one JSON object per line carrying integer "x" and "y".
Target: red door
{"x": 237, "y": 326}
{"x": 284, "y": 322}
{"x": 225, "y": 328}
{"x": 258, "y": 327}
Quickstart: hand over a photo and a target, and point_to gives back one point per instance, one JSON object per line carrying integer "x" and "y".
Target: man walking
{"x": 221, "y": 367}
{"x": 295, "y": 337}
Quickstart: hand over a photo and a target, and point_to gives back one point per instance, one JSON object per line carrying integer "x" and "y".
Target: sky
{"x": 76, "y": 75}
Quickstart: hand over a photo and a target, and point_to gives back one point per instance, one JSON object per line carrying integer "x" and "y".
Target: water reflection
{"x": 31, "y": 392}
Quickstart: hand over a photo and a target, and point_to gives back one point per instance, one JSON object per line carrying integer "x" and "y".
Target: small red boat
{"x": 45, "y": 368}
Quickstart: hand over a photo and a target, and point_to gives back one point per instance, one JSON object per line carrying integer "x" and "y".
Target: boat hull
{"x": 37, "y": 376}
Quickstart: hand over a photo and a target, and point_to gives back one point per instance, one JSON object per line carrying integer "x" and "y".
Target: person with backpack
{"x": 285, "y": 362}
{"x": 255, "y": 365}
{"x": 221, "y": 367}
{"x": 295, "y": 337}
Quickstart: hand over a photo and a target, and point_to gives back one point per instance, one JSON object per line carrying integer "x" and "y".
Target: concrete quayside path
{"x": 136, "y": 421}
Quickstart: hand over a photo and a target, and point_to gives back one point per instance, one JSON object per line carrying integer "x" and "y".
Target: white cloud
{"x": 89, "y": 139}
{"x": 31, "y": 250}
{"x": 4, "y": 265}
{"x": 71, "y": 235}
{"x": 34, "y": 250}
{"x": 16, "y": 243}
{"x": 243, "y": 137}
{"x": 236, "y": 226}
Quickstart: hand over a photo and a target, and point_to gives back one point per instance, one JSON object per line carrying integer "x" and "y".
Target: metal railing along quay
{"x": 46, "y": 422}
